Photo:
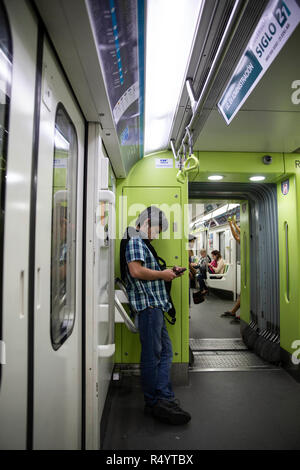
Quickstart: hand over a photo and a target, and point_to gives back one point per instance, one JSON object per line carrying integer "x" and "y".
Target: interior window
{"x": 63, "y": 249}
{"x": 5, "y": 91}
{"x": 222, "y": 244}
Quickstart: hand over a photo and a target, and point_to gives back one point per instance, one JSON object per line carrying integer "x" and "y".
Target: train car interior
{"x": 211, "y": 229}
{"x": 109, "y": 108}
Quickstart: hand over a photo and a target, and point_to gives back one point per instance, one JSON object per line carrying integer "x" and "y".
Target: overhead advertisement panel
{"x": 279, "y": 20}
{"x": 119, "y": 29}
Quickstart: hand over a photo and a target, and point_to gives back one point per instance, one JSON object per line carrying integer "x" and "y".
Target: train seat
{"x": 121, "y": 315}
{"x": 224, "y": 282}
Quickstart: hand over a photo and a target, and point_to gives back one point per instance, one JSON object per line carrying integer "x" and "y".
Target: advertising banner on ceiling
{"x": 119, "y": 29}
{"x": 279, "y": 20}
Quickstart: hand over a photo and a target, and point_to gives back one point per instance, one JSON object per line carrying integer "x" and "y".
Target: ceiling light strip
{"x": 233, "y": 22}
{"x": 171, "y": 26}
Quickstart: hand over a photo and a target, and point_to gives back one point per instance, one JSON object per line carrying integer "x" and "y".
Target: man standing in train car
{"x": 145, "y": 284}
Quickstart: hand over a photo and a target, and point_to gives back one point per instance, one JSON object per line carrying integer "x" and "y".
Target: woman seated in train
{"x": 217, "y": 266}
{"x": 202, "y": 266}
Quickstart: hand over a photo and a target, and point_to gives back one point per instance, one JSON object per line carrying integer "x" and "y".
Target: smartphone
{"x": 178, "y": 270}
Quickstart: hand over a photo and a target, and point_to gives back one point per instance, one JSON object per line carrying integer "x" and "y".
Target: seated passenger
{"x": 192, "y": 270}
{"x": 202, "y": 266}
{"x": 217, "y": 266}
{"x": 203, "y": 261}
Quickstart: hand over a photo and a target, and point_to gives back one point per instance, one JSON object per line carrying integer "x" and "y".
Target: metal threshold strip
{"x": 225, "y": 354}
{"x": 218, "y": 361}
{"x": 217, "y": 344}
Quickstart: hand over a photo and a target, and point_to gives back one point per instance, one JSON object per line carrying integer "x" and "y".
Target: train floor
{"x": 206, "y": 320}
{"x": 236, "y": 400}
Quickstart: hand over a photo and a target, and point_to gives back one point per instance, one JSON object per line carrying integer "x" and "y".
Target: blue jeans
{"x": 201, "y": 276}
{"x": 156, "y": 356}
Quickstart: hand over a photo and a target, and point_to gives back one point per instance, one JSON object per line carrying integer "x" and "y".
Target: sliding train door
{"x": 18, "y": 44}
{"x": 57, "y": 390}
{"x": 100, "y": 306}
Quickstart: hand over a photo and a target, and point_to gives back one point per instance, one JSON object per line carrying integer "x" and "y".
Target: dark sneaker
{"x": 236, "y": 320}
{"x": 228, "y": 314}
{"x": 170, "y": 412}
{"x": 175, "y": 404}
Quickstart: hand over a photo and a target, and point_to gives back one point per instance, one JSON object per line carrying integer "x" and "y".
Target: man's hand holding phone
{"x": 178, "y": 270}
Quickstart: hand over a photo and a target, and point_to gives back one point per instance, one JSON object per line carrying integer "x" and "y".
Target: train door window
{"x": 63, "y": 243}
{"x": 5, "y": 91}
{"x": 222, "y": 244}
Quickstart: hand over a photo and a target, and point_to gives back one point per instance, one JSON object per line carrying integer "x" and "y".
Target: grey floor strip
{"x": 217, "y": 344}
{"x": 214, "y": 361}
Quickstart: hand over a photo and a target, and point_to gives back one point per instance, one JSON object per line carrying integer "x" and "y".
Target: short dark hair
{"x": 217, "y": 254}
{"x": 156, "y": 217}
{"x": 192, "y": 237}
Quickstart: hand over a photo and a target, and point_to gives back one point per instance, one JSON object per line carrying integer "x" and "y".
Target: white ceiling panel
{"x": 268, "y": 121}
{"x": 251, "y": 131}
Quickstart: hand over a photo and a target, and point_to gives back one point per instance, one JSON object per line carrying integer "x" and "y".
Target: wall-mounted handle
{"x": 286, "y": 229}
{"x": 2, "y": 353}
{"x": 38, "y": 288}
{"x": 104, "y": 195}
{"x": 106, "y": 350}
{"x": 22, "y": 294}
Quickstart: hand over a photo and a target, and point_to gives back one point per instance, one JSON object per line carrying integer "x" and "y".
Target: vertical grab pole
{"x": 245, "y": 260}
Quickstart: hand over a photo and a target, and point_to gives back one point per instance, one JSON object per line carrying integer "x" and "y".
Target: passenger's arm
{"x": 138, "y": 271}
{"x": 212, "y": 267}
{"x": 192, "y": 269}
{"x": 234, "y": 234}
{"x": 237, "y": 227}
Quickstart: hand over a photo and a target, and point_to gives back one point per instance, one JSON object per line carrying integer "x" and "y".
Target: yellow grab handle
{"x": 193, "y": 162}
{"x": 181, "y": 175}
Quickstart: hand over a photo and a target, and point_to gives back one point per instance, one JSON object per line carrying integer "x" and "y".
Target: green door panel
{"x": 146, "y": 185}
{"x": 168, "y": 246}
{"x": 118, "y": 342}
{"x": 289, "y": 263}
{"x": 245, "y": 262}
{"x": 131, "y": 348}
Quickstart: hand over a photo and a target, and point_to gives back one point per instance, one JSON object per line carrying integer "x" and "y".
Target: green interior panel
{"x": 289, "y": 263}
{"x": 238, "y": 167}
{"x": 169, "y": 243}
{"x": 148, "y": 184}
{"x": 131, "y": 349}
{"x": 245, "y": 261}
{"x": 118, "y": 342}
